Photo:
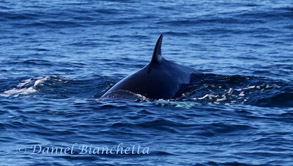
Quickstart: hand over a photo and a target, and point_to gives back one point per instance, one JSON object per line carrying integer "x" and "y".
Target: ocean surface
{"x": 58, "y": 57}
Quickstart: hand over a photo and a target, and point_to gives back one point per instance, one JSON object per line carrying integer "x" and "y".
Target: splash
{"x": 26, "y": 87}
{"x": 230, "y": 90}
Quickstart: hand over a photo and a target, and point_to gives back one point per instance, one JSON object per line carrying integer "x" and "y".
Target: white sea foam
{"x": 25, "y": 87}
{"x": 41, "y": 80}
{"x": 24, "y": 83}
{"x": 222, "y": 99}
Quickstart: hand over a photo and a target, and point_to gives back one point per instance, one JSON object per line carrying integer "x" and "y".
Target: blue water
{"x": 58, "y": 57}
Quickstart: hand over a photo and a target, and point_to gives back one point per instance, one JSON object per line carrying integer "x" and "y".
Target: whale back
{"x": 160, "y": 79}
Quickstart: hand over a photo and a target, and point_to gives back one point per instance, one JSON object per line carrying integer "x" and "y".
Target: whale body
{"x": 160, "y": 79}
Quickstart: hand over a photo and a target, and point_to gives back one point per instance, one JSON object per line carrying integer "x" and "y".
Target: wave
{"x": 227, "y": 90}
{"x": 277, "y": 100}
{"x": 26, "y": 87}
{"x": 56, "y": 87}
{"x": 204, "y": 88}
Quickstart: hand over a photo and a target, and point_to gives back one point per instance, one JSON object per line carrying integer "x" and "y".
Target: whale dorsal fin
{"x": 157, "y": 55}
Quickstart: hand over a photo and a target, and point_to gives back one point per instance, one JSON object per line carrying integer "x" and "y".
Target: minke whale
{"x": 160, "y": 79}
